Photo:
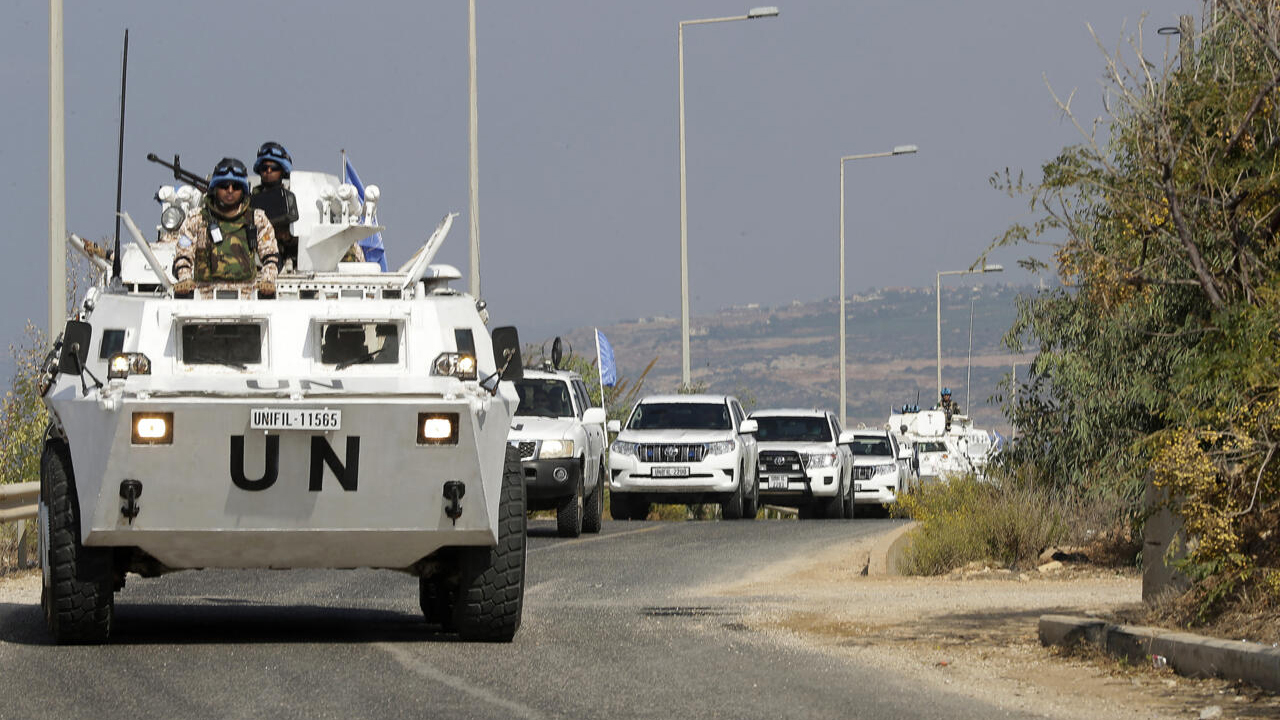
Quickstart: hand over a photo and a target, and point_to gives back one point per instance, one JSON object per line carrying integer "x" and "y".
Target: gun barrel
{"x": 179, "y": 173}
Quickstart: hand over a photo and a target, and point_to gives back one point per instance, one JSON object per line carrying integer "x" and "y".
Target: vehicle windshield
{"x": 931, "y": 446}
{"x": 793, "y": 429}
{"x": 221, "y": 343}
{"x": 680, "y": 416}
{"x": 346, "y": 343}
{"x": 871, "y": 446}
{"x": 542, "y": 397}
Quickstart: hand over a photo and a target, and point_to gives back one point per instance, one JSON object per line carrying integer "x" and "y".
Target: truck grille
{"x": 527, "y": 449}
{"x": 864, "y": 472}
{"x": 672, "y": 452}
{"x": 778, "y": 462}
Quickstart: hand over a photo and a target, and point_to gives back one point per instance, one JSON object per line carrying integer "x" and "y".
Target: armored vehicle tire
{"x": 491, "y": 584}
{"x": 569, "y": 513}
{"x": 595, "y": 505}
{"x": 77, "y": 598}
{"x": 731, "y": 508}
{"x": 436, "y": 601}
{"x": 807, "y": 512}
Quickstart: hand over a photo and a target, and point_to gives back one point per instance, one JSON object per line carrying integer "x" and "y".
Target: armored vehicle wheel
{"x": 595, "y": 505}
{"x": 491, "y": 584}
{"x": 436, "y": 600}
{"x": 731, "y": 509}
{"x": 807, "y": 512}
{"x": 77, "y": 596}
{"x": 569, "y": 514}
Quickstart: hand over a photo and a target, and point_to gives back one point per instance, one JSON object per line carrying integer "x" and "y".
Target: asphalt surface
{"x": 614, "y": 626}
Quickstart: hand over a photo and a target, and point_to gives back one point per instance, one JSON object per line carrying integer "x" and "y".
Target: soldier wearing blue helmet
{"x": 227, "y": 240}
{"x": 272, "y": 196}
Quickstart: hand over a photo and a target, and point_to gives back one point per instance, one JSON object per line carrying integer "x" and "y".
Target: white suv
{"x": 881, "y": 469}
{"x": 561, "y": 442}
{"x": 684, "y": 449}
{"x": 803, "y": 462}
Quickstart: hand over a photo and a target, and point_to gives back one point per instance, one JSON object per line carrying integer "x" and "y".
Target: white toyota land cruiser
{"x": 684, "y": 449}
{"x": 561, "y": 442}
{"x": 804, "y": 462}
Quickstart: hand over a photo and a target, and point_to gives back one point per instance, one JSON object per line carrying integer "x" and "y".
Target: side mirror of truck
{"x": 593, "y": 416}
{"x": 506, "y": 353}
{"x": 614, "y": 426}
{"x": 75, "y": 347}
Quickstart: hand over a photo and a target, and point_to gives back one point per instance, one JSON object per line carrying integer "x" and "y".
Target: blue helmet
{"x": 229, "y": 170}
{"x": 274, "y": 152}
{"x": 946, "y": 391}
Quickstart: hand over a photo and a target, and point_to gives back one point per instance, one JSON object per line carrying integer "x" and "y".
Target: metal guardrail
{"x": 18, "y": 504}
{"x": 18, "y": 501}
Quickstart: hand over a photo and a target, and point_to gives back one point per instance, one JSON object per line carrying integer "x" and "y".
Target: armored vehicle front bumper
{"x": 219, "y": 492}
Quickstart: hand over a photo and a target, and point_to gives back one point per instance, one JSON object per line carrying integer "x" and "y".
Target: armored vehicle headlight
{"x": 152, "y": 428}
{"x": 171, "y": 218}
{"x": 820, "y": 460}
{"x": 459, "y": 365}
{"x": 122, "y": 365}
{"x": 556, "y": 449}
{"x": 437, "y": 428}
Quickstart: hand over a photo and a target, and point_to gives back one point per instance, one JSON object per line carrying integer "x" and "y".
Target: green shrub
{"x": 967, "y": 520}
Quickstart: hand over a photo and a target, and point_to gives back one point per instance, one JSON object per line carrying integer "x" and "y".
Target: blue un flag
{"x": 604, "y": 352}
{"x": 372, "y": 245}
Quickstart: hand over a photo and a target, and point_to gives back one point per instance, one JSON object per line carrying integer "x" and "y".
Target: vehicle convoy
{"x": 943, "y": 447}
{"x": 881, "y": 470}
{"x": 684, "y": 449}
{"x": 805, "y": 462}
{"x": 358, "y": 419}
{"x": 561, "y": 442}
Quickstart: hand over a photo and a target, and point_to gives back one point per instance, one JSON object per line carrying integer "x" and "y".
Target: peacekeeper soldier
{"x": 274, "y": 166}
{"x": 948, "y": 406}
{"x": 219, "y": 243}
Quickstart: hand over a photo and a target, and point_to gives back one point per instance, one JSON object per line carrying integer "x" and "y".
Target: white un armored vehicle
{"x": 356, "y": 420}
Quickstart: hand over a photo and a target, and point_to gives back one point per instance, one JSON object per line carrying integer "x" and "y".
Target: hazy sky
{"x": 579, "y": 193}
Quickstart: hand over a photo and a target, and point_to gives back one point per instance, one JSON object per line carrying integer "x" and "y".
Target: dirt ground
{"x": 975, "y": 633}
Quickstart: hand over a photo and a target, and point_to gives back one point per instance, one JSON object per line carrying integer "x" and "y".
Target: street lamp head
{"x": 992, "y": 268}
{"x": 905, "y": 149}
{"x": 762, "y": 12}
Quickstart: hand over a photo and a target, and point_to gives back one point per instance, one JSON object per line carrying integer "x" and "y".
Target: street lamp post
{"x": 937, "y": 295}
{"x": 752, "y": 14}
{"x": 899, "y": 150}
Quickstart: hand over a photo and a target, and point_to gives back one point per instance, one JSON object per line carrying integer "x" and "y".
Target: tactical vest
{"x": 229, "y": 254}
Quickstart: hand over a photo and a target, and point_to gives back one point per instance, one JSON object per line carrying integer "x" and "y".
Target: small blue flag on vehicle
{"x": 372, "y": 245}
{"x": 604, "y": 356}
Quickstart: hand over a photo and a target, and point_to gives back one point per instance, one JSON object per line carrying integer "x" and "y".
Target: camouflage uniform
{"x": 200, "y": 259}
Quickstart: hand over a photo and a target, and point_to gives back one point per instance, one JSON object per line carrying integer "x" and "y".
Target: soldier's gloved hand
{"x": 266, "y": 289}
{"x": 184, "y": 288}
{"x": 95, "y": 249}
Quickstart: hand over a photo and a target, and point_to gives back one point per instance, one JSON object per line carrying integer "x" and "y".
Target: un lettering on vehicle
{"x": 322, "y": 457}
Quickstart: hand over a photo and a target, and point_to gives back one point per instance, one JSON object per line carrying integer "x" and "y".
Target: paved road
{"x": 613, "y": 627}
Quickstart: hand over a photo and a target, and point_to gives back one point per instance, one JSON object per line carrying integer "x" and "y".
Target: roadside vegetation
{"x": 1158, "y": 339}
{"x": 22, "y": 425}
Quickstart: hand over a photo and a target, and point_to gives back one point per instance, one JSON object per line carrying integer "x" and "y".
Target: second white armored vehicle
{"x": 356, "y": 420}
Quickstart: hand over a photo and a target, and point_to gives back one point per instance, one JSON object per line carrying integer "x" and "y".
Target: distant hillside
{"x": 786, "y": 356}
